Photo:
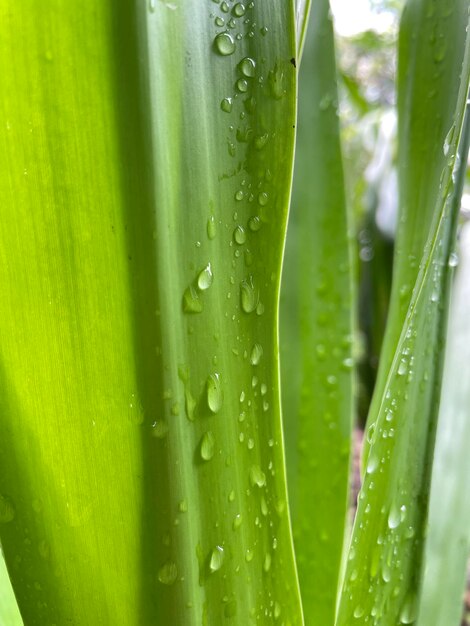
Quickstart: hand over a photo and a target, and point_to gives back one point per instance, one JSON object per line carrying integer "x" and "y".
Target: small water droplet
{"x": 409, "y": 610}
{"x": 239, "y": 235}
{"x": 242, "y": 85}
{"x": 226, "y": 105}
{"x": 453, "y": 259}
{"x": 205, "y": 278}
{"x": 394, "y": 516}
{"x": 207, "y": 446}
{"x": 214, "y": 393}
{"x": 249, "y": 295}
{"x": 448, "y": 140}
{"x": 257, "y": 476}
{"x": 267, "y": 562}
{"x": 237, "y": 521}
{"x": 191, "y": 301}
{"x": 217, "y": 559}
{"x": 256, "y": 354}
{"x": 183, "y": 506}
{"x": 254, "y": 223}
{"x": 249, "y": 555}
{"x": 159, "y": 429}
{"x": 247, "y": 67}
{"x": 224, "y": 44}
{"x": 239, "y": 9}
{"x": 168, "y": 573}
{"x": 402, "y": 367}
{"x": 263, "y": 198}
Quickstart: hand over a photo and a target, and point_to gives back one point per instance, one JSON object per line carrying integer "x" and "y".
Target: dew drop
{"x": 205, "y": 278}
{"x": 217, "y": 559}
{"x": 226, "y": 105}
{"x": 263, "y": 198}
{"x": 168, "y": 573}
{"x": 239, "y": 235}
{"x": 256, "y": 354}
{"x": 224, "y": 44}
{"x": 249, "y": 296}
{"x": 239, "y": 9}
{"x": 247, "y": 67}
{"x": 211, "y": 228}
{"x": 239, "y": 195}
{"x": 191, "y": 301}
{"x": 257, "y": 476}
{"x": 224, "y": 6}
{"x": 394, "y": 517}
{"x": 409, "y": 609}
{"x": 453, "y": 259}
{"x": 214, "y": 393}
{"x": 249, "y": 555}
{"x": 242, "y": 85}
{"x": 267, "y": 562}
{"x": 237, "y": 521}
{"x": 254, "y": 223}
{"x": 207, "y": 446}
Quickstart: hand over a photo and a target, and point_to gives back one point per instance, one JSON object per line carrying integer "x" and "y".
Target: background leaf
{"x": 316, "y": 331}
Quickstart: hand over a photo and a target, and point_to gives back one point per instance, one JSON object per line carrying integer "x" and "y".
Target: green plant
{"x": 145, "y": 166}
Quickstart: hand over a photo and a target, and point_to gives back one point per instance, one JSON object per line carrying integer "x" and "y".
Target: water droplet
{"x": 224, "y": 44}
{"x": 7, "y": 509}
{"x": 183, "y": 506}
{"x": 237, "y": 521}
{"x": 214, "y": 393}
{"x": 247, "y": 67}
{"x": 219, "y": 21}
{"x": 372, "y": 463}
{"x": 224, "y": 6}
{"x": 251, "y": 443}
{"x": 394, "y": 516}
{"x": 160, "y": 429}
{"x": 402, "y": 367}
{"x": 267, "y": 562}
{"x": 275, "y": 81}
{"x": 249, "y": 555}
{"x": 168, "y": 573}
{"x": 358, "y": 611}
{"x": 239, "y": 235}
{"x": 239, "y": 9}
{"x": 257, "y": 476}
{"x": 256, "y": 354}
{"x": 191, "y": 301}
{"x": 261, "y": 141}
{"x": 217, "y": 559}
{"x": 254, "y": 223}
{"x": 226, "y": 105}
{"x": 453, "y": 259}
{"x": 152, "y": 5}
{"x": 409, "y": 610}
{"x": 207, "y": 446}
{"x": 239, "y": 195}
{"x": 249, "y": 295}
{"x": 448, "y": 140}
{"x": 242, "y": 85}
{"x": 205, "y": 278}
{"x": 263, "y": 198}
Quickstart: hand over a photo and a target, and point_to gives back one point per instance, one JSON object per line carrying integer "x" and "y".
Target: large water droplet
{"x": 168, "y": 573}
{"x": 409, "y": 610}
{"x": 205, "y": 278}
{"x": 224, "y": 44}
{"x": 207, "y": 446}
{"x": 249, "y": 295}
{"x": 214, "y": 393}
{"x": 217, "y": 559}
{"x": 254, "y": 223}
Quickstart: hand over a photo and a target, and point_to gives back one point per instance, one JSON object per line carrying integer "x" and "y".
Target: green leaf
{"x": 316, "y": 330}
{"x": 145, "y": 170}
{"x": 385, "y": 558}
{"x": 428, "y": 85}
{"x": 448, "y": 537}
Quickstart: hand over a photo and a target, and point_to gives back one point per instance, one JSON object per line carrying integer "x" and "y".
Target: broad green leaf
{"x": 385, "y": 558}
{"x": 316, "y": 331}
{"x": 9, "y": 613}
{"x": 448, "y": 538}
{"x": 145, "y": 166}
{"x": 428, "y": 84}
